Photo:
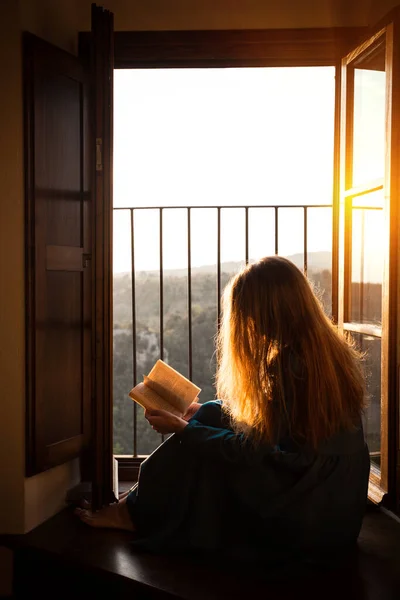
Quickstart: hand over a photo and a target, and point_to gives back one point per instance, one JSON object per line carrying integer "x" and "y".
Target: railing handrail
{"x": 221, "y": 206}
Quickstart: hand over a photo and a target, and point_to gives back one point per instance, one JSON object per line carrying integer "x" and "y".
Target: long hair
{"x": 282, "y": 365}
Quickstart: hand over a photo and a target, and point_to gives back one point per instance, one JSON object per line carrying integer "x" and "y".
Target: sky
{"x": 207, "y": 137}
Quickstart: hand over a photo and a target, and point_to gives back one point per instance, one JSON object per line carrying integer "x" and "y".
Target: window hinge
{"x": 85, "y": 260}
{"x": 99, "y": 154}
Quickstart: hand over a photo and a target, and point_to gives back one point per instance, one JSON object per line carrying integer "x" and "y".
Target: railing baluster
{"x": 161, "y": 290}
{"x": 189, "y": 274}
{"x": 134, "y": 365}
{"x": 207, "y": 206}
{"x": 276, "y": 230}
{"x": 305, "y": 250}
{"x": 246, "y": 210}
{"x": 161, "y": 285}
{"x": 362, "y": 267}
{"x": 218, "y": 266}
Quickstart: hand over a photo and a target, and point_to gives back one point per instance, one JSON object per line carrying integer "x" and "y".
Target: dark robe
{"x": 206, "y": 489}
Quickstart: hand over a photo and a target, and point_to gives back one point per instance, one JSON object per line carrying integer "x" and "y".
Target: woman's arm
{"x": 216, "y": 443}
{"x": 205, "y": 434}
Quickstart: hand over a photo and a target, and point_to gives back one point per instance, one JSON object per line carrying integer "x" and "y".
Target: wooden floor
{"x": 64, "y": 558}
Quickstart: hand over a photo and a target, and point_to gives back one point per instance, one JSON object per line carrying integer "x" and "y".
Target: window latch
{"x": 99, "y": 154}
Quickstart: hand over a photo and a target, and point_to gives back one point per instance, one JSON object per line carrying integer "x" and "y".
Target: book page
{"x": 148, "y": 398}
{"x": 172, "y": 386}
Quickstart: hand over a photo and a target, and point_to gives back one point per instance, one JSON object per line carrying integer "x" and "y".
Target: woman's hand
{"x": 163, "y": 421}
{"x": 191, "y": 411}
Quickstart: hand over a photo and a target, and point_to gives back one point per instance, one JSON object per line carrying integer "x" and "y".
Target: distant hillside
{"x": 316, "y": 261}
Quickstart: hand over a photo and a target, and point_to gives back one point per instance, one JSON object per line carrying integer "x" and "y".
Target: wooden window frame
{"x": 234, "y": 48}
{"x": 378, "y": 486}
{"x": 238, "y": 48}
{"x": 385, "y": 482}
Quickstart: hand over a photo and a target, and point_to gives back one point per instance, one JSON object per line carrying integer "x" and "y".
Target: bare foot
{"x": 115, "y": 516}
{"x": 86, "y": 504}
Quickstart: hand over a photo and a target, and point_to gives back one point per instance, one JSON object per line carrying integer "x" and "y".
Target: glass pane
{"x": 371, "y": 346}
{"x": 370, "y": 200}
{"x": 369, "y": 117}
{"x": 367, "y": 266}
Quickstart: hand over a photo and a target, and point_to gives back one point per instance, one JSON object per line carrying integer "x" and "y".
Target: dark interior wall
{"x": 11, "y": 274}
{"x": 59, "y": 20}
{"x": 379, "y": 8}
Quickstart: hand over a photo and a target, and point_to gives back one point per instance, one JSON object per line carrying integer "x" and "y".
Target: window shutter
{"x": 58, "y": 256}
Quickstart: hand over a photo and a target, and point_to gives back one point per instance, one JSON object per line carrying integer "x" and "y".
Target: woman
{"x": 278, "y": 467}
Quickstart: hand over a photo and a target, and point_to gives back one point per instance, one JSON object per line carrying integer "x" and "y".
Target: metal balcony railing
{"x": 189, "y": 212}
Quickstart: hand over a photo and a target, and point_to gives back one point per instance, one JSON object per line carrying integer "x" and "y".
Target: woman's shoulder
{"x": 211, "y": 413}
{"x": 211, "y": 407}
{"x": 215, "y": 404}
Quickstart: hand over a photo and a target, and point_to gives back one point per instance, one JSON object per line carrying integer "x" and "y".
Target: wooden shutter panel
{"x": 58, "y": 242}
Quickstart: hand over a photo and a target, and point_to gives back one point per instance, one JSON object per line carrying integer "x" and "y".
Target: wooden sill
{"x": 375, "y": 493}
{"x": 63, "y": 553}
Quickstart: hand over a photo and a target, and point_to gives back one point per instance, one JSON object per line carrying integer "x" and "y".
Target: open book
{"x": 165, "y": 389}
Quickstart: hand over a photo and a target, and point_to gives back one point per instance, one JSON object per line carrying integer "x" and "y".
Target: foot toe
{"x": 90, "y": 520}
{"x": 88, "y": 517}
